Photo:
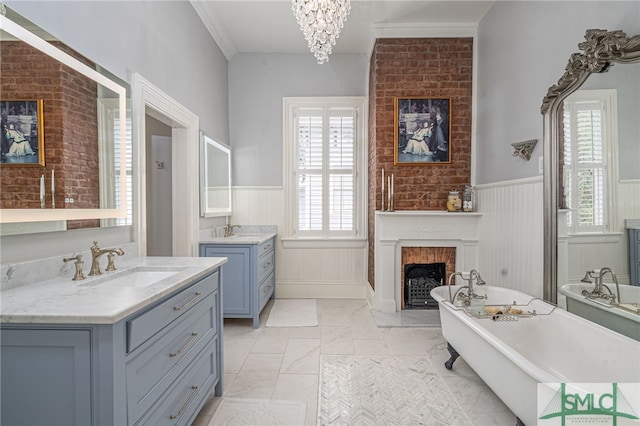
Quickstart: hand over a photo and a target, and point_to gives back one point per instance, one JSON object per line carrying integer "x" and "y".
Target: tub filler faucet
{"x": 598, "y": 290}
{"x": 466, "y": 299}
{"x": 97, "y": 252}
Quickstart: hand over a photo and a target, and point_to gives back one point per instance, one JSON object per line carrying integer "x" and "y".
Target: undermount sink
{"x": 244, "y": 235}
{"x": 139, "y": 276}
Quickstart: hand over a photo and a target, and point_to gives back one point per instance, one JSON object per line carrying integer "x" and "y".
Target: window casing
{"x": 325, "y": 183}
{"x": 589, "y": 167}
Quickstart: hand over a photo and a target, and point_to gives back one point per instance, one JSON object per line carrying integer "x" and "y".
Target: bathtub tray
{"x": 631, "y": 307}
{"x": 512, "y": 312}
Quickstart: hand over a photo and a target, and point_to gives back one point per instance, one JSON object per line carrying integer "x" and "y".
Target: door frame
{"x": 148, "y": 99}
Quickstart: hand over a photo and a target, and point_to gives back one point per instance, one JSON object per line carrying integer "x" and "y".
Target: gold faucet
{"x": 228, "y": 230}
{"x": 97, "y": 252}
{"x": 79, "y": 275}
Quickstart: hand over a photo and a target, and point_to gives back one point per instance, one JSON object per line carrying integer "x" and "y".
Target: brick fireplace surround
{"x": 422, "y": 68}
{"x": 395, "y": 230}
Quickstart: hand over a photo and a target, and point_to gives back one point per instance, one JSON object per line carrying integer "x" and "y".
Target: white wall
{"x": 307, "y": 272}
{"x": 523, "y": 47}
{"x": 257, "y": 84}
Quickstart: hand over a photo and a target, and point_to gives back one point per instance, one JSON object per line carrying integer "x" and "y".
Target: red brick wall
{"x": 421, "y": 68}
{"x": 70, "y": 130}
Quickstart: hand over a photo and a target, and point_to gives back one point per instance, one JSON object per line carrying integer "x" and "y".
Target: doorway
{"x": 150, "y": 103}
{"x": 159, "y": 188}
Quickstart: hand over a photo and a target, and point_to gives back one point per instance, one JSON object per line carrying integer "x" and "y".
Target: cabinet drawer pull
{"x": 266, "y": 265}
{"x": 266, "y": 289}
{"x": 183, "y": 347}
{"x": 197, "y": 296}
{"x": 194, "y": 391}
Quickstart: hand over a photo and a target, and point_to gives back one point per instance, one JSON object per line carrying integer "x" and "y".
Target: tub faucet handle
{"x": 587, "y": 278}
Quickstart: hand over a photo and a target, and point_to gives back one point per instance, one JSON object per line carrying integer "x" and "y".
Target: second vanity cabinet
{"x": 249, "y": 275}
{"x": 156, "y": 366}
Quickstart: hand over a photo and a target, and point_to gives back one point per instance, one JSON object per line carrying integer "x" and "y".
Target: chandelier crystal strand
{"x": 321, "y": 21}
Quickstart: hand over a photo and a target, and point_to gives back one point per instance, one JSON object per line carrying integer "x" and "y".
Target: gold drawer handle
{"x": 179, "y": 308}
{"x": 193, "y": 394}
{"x": 193, "y": 337}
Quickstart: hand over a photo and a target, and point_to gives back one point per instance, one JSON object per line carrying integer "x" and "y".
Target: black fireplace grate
{"x": 419, "y": 280}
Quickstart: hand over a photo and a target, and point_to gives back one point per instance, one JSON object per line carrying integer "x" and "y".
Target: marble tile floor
{"x": 284, "y": 363}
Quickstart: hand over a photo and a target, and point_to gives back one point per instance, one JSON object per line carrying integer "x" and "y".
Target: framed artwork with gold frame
{"x": 422, "y": 131}
{"x": 22, "y": 135}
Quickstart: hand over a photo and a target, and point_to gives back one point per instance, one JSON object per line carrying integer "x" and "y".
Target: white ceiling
{"x": 268, "y": 26}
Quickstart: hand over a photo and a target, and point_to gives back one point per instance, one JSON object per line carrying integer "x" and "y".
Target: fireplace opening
{"x": 419, "y": 280}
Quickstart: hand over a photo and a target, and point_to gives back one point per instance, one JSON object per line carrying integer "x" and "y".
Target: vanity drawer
{"x": 143, "y": 327}
{"x": 265, "y": 266}
{"x": 151, "y": 371}
{"x": 266, "y": 290}
{"x": 178, "y": 406}
{"x": 265, "y": 247}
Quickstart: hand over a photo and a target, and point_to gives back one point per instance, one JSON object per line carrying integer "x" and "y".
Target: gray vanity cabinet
{"x": 249, "y": 276}
{"x": 156, "y": 366}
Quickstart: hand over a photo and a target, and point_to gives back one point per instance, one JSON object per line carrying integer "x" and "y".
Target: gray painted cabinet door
{"x": 52, "y": 366}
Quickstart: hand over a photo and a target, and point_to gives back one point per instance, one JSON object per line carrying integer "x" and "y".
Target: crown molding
{"x": 215, "y": 28}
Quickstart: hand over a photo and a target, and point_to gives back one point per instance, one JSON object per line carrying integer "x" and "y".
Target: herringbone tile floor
{"x": 284, "y": 363}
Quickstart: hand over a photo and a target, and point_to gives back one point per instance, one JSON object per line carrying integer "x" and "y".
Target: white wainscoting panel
{"x": 628, "y": 202}
{"x": 302, "y": 272}
{"x": 511, "y": 234}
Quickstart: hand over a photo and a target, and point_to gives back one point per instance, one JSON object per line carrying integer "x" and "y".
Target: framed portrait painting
{"x": 22, "y": 135}
{"x": 422, "y": 129}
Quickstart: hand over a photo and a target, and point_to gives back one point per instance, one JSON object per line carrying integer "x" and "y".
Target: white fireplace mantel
{"x": 417, "y": 228}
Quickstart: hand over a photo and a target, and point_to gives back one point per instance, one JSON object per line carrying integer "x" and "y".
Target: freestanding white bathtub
{"x": 512, "y": 357}
{"x": 619, "y": 319}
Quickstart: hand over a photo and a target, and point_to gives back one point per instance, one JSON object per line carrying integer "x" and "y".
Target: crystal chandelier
{"x": 321, "y": 22}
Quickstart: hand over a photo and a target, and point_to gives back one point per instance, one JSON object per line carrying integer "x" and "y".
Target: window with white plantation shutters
{"x": 109, "y": 158}
{"x": 128, "y": 219}
{"x": 586, "y": 170}
{"x": 325, "y": 143}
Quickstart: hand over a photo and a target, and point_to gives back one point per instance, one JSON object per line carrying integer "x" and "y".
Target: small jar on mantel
{"x": 467, "y": 199}
{"x": 453, "y": 201}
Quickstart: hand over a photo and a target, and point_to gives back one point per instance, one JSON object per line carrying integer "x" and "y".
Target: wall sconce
{"x": 524, "y": 149}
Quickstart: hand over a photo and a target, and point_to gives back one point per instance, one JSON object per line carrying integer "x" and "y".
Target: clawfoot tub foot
{"x": 454, "y": 355}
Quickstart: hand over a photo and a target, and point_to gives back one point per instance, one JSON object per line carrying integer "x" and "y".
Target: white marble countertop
{"x": 239, "y": 238}
{"x": 632, "y": 223}
{"x": 60, "y": 300}
{"x": 245, "y": 234}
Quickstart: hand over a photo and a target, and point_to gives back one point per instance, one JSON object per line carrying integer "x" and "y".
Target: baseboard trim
{"x": 320, "y": 291}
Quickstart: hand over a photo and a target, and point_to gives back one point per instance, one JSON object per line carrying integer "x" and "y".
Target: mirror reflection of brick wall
{"x": 424, "y": 68}
{"x": 70, "y": 130}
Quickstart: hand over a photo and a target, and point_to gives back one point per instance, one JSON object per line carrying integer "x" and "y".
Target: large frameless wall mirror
{"x": 70, "y": 117}
{"x": 592, "y": 152}
{"x": 215, "y": 178}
